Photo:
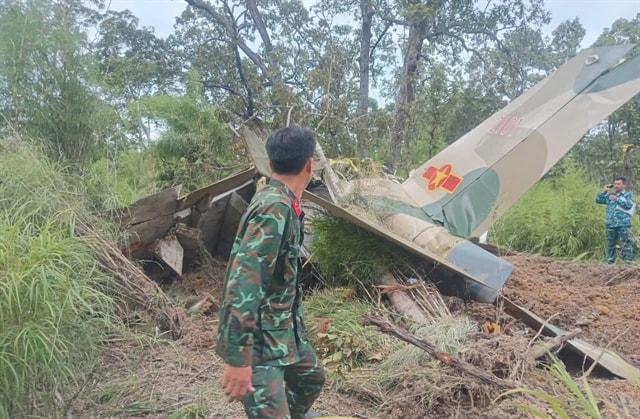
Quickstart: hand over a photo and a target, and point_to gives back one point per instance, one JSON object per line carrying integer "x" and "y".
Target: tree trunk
{"x": 364, "y": 62}
{"x": 400, "y": 132}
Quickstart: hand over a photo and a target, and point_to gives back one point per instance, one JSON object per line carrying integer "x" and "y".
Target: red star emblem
{"x": 441, "y": 177}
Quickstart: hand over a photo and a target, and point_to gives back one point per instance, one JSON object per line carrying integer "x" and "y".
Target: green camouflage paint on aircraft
{"x": 458, "y": 194}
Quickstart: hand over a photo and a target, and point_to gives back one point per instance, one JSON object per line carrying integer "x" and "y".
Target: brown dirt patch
{"x": 153, "y": 378}
{"x": 577, "y": 295}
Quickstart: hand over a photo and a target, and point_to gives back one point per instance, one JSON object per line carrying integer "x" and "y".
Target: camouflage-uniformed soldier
{"x": 620, "y": 208}
{"x": 269, "y": 365}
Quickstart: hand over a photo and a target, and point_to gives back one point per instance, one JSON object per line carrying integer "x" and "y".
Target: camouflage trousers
{"x": 285, "y": 392}
{"x": 622, "y": 234}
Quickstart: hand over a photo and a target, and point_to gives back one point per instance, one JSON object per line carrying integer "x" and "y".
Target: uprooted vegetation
{"x": 98, "y": 352}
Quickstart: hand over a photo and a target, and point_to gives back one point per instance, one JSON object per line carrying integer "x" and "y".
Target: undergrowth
{"x": 336, "y": 330}
{"x": 54, "y": 316}
{"x": 350, "y": 256}
{"x": 574, "y": 399}
{"x": 558, "y": 217}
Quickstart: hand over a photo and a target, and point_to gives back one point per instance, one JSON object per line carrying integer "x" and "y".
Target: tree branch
{"x": 233, "y": 35}
{"x": 448, "y": 359}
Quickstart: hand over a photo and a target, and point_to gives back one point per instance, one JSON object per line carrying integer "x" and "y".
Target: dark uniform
{"x": 618, "y": 224}
{"x": 260, "y": 318}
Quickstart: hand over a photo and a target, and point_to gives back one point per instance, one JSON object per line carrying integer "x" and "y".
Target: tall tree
{"x": 612, "y": 147}
{"x": 451, "y": 28}
{"x": 47, "y": 89}
{"x": 132, "y": 63}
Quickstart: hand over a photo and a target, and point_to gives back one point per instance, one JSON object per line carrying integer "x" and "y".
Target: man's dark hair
{"x": 622, "y": 178}
{"x": 289, "y": 148}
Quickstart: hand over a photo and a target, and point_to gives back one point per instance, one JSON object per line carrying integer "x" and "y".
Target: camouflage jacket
{"x": 617, "y": 214}
{"x": 260, "y": 316}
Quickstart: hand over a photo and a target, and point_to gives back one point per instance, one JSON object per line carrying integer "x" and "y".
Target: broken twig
{"x": 553, "y": 344}
{"x": 448, "y": 359}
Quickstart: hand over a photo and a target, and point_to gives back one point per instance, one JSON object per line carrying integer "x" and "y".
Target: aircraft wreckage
{"x": 447, "y": 202}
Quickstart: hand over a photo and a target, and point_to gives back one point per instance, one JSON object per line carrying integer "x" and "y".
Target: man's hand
{"x": 613, "y": 197}
{"x": 236, "y": 382}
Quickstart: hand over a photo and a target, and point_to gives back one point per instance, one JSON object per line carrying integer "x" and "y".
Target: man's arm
{"x": 249, "y": 273}
{"x": 601, "y": 198}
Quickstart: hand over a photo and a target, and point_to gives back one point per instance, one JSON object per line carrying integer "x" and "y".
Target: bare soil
{"x": 156, "y": 378}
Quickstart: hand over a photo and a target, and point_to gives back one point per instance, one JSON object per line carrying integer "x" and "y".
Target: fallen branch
{"x": 554, "y": 344}
{"x": 136, "y": 285}
{"x": 448, "y": 359}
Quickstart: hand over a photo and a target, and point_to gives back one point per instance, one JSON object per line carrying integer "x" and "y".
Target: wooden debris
{"x": 191, "y": 241}
{"x": 147, "y": 220}
{"x": 170, "y": 251}
{"x": 553, "y": 344}
{"x": 233, "y": 212}
{"x": 414, "y": 299}
{"x": 402, "y": 302}
{"x": 448, "y": 359}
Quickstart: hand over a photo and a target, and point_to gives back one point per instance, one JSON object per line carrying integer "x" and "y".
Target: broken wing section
{"x": 472, "y": 182}
{"x": 483, "y": 272}
{"x": 257, "y": 151}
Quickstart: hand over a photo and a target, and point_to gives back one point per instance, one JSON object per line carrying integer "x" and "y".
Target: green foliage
{"x": 196, "y": 148}
{"x": 114, "y": 182}
{"x": 350, "y": 256}
{"x": 557, "y": 217}
{"x": 581, "y": 403}
{"x": 53, "y": 315}
{"x": 46, "y": 89}
{"x": 342, "y": 341}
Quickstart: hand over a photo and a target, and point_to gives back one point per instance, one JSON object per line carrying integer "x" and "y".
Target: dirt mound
{"x": 600, "y": 299}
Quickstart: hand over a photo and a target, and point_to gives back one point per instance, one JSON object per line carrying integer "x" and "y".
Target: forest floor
{"x": 156, "y": 378}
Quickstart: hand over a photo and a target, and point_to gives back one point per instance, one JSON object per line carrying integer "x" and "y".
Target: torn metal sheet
{"x": 216, "y": 189}
{"x": 170, "y": 251}
{"x": 605, "y": 358}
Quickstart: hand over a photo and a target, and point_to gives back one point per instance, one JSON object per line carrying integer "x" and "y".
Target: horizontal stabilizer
{"x": 484, "y": 272}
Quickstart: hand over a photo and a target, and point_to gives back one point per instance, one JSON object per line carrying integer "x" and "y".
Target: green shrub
{"x": 350, "y": 256}
{"x": 119, "y": 180}
{"x": 53, "y": 316}
{"x": 343, "y": 342}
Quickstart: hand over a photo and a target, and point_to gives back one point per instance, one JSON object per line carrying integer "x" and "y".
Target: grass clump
{"x": 343, "y": 342}
{"x": 53, "y": 314}
{"x": 574, "y": 399}
{"x": 350, "y": 256}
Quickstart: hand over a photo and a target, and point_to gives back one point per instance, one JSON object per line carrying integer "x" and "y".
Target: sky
{"x": 595, "y": 15}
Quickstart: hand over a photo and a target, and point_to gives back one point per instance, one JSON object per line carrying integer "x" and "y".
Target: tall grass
{"x": 53, "y": 315}
{"x": 575, "y": 399}
{"x": 558, "y": 217}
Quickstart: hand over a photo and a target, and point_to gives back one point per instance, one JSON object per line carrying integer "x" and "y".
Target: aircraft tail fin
{"x": 475, "y": 180}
